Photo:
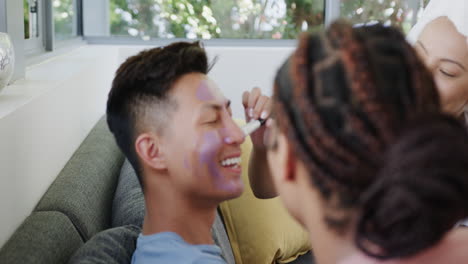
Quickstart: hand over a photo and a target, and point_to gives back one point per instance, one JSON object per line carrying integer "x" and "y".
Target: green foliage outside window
{"x": 26, "y": 18}
{"x": 64, "y": 19}
{"x": 259, "y": 19}
{"x": 249, "y": 19}
{"x": 215, "y": 18}
{"x": 400, "y": 13}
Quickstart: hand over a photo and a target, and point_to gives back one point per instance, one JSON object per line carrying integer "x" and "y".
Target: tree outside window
{"x": 400, "y": 13}
{"x": 248, "y": 19}
{"x": 206, "y": 19}
{"x": 64, "y": 19}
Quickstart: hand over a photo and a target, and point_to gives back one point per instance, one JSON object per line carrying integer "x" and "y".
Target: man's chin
{"x": 239, "y": 192}
{"x": 236, "y": 189}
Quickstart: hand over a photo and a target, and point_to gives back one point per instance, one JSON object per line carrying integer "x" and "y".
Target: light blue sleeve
{"x": 169, "y": 248}
{"x": 174, "y": 257}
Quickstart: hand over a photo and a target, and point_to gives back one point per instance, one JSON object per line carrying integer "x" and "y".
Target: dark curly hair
{"x": 143, "y": 82}
{"x": 363, "y": 114}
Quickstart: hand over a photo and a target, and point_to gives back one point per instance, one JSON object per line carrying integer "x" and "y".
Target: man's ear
{"x": 148, "y": 148}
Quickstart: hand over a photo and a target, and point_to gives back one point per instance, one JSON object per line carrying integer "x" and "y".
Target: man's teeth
{"x": 230, "y": 162}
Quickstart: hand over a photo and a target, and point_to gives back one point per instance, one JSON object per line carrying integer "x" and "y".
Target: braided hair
{"x": 363, "y": 114}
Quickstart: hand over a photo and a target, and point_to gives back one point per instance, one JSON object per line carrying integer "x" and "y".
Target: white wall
{"x": 44, "y": 118}
{"x": 96, "y": 18}
{"x": 238, "y": 69}
{"x": 241, "y": 69}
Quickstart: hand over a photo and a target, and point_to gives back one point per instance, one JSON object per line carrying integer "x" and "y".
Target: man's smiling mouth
{"x": 231, "y": 162}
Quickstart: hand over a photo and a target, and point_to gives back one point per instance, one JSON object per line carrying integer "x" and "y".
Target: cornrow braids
{"x": 341, "y": 99}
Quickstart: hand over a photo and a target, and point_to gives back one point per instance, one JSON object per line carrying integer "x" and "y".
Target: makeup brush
{"x": 252, "y": 126}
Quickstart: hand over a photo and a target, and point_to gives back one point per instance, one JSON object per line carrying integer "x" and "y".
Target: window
{"x": 208, "y": 19}
{"x": 249, "y": 19}
{"x": 31, "y": 19}
{"x": 65, "y": 19}
{"x": 33, "y": 26}
{"x": 47, "y": 22}
{"x": 399, "y": 13}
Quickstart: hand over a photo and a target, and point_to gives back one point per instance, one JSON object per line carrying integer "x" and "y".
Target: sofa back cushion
{"x": 44, "y": 237}
{"x": 111, "y": 246}
{"x": 85, "y": 187}
{"x": 128, "y": 207}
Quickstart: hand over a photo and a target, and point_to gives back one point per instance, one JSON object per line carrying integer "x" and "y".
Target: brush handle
{"x": 252, "y": 126}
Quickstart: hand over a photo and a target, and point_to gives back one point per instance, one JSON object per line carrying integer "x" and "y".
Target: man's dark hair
{"x": 143, "y": 82}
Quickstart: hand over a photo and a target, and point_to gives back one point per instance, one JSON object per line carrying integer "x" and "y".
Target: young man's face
{"x": 202, "y": 142}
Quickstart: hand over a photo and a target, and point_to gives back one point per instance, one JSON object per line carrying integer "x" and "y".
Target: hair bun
{"x": 420, "y": 193}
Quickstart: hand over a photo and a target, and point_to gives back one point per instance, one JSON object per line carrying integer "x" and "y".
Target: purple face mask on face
{"x": 203, "y": 92}
{"x": 211, "y": 143}
{"x": 186, "y": 163}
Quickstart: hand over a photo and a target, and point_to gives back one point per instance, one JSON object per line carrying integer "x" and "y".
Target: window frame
{"x": 12, "y": 13}
{"x": 35, "y": 45}
{"x": 77, "y": 22}
{"x": 50, "y": 42}
{"x": 45, "y": 46}
{"x": 331, "y": 12}
{"x": 27, "y": 56}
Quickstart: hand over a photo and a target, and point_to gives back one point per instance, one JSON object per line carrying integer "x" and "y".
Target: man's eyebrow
{"x": 216, "y": 107}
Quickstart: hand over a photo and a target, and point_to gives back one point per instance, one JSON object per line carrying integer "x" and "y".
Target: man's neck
{"x": 167, "y": 212}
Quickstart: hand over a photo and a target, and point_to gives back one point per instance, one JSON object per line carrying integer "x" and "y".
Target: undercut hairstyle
{"x": 142, "y": 85}
{"x": 363, "y": 114}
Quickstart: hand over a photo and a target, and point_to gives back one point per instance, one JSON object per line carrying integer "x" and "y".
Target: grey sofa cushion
{"x": 128, "y": 207}
{"x": 112, "y": 246}
{"x": 221, "y": 239}
{"x": 36, "y": 242}
{"x": 85, "y": 187}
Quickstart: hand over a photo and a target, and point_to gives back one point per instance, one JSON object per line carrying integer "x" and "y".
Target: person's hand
{"x": 256, "y": 106}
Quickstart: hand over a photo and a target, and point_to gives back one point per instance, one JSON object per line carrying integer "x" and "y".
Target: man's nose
{"x": 233, "y": 135}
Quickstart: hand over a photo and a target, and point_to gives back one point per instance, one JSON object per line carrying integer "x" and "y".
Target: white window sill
{"x": 44, "y": 72}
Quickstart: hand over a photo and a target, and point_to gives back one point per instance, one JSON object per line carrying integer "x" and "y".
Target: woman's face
{"x": 445, "y": 52}
{"x": 280, "y": 166}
